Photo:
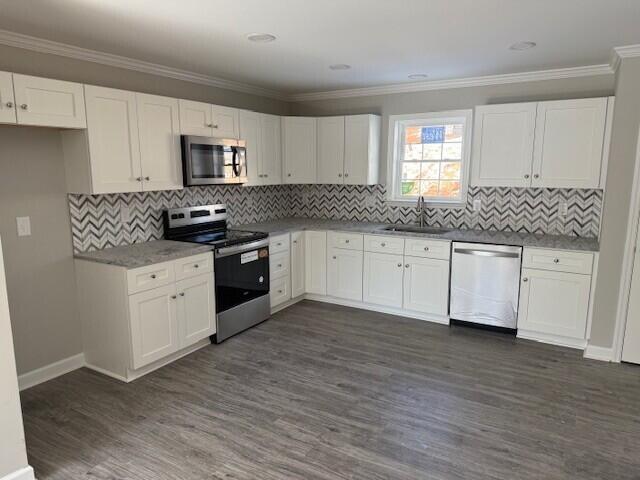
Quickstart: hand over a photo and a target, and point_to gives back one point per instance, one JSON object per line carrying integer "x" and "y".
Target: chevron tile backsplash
{"x": 99, "y": 221}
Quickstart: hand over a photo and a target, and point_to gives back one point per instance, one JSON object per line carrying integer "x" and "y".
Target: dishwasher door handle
{"x": 486, "y": 253}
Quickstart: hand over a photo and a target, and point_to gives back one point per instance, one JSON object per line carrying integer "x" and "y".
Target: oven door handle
{"x": 245, "y": 247}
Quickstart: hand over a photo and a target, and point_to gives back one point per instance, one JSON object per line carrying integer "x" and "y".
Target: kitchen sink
{"x": 416, "y": 229}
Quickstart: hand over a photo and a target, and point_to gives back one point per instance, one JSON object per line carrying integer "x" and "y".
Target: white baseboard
{"x": 559, "y": 340}
{"x": 48, "y": 372}
{"x": 604, "y": 354}
{"x": 25, "y": 473}
{"x": 287, "y": 304}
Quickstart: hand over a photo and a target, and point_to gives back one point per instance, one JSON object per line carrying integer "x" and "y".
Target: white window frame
{"x": 394, "y": 172}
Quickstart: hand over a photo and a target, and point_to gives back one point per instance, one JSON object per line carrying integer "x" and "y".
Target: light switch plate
{"x": 477, "y": 205}
{"x": 24, "y": 226}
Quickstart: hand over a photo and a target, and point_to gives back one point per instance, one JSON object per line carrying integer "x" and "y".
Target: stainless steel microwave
{"x": 211, "y": 161}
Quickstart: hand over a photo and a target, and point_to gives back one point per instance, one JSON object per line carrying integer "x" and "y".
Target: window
{"x": 429, "y": 156}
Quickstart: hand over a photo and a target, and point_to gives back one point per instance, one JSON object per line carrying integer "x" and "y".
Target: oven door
{"x": 241, "y": 274}
{"x": 209, "y": 161}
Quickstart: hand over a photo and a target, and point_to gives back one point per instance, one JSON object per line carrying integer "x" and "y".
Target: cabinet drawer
{"x": 437, "y": 249}
{"x": 280, "y": 291}
{"x": 558, "y": 260}
{"x": 350, "y": 241}
{"x": 279, "y": 243}
{"x": 383, "y": 244}
{"x": 151, "y": 276}
{"x": 192, "y": 266}
{"x": 278, "y": 265}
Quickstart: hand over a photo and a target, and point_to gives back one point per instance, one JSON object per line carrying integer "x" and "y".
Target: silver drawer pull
{"x": 406, "y": 265}
{"x": 426, "y": 249}
{"x": 182, "y": 294}
{"x": 556, "y": 260}
{"x": 279, "y": 265}
{"x": 279, "y": 291}
{"x": 153, "y": 275}
{"x": 400, "y": 265}
{"x": 9, "y": 104}
{"x": 24, "y": 106}
{"x": 196, "y": 266}
{"x": 173, "y": 297}
{"x": 346, "y": 241}
{"x": 525, "y": 279}
{"x": 486, "y": 253}
{"x": 383, "y": 244}
{"x": 334, "y": 257}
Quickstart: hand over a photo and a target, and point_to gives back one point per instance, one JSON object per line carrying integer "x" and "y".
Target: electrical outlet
{"x": 125, "y": 213}
{"x": 24, "y": 226}
{"x": 564, "y": 209}
{"x": 477, "y": 205}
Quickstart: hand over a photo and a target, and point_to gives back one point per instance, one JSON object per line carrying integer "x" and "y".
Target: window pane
{"x": 429, "y": 188}
{"x": 411, "y": 171}
{"x": 453, "y": 133}
{"x": 432, "y": 151}
{"x": 450, "y": 171}
{"x": 452, "y": 151}
{"x": 433, "y": 134}
{"x": 413, "y": 135}
{"x": 410, "y": 187}
{"x": 430, "y": 170}
{"x": 449, "y": 189}
{"x": 413, "y": 152}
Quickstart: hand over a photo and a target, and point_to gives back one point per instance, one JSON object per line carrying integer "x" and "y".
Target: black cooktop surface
{"x": 222, "y": 238}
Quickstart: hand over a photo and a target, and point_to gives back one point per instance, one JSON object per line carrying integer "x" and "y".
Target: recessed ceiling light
{"x": 522, "y": 46}
{"x": 418, "y": 76}
{"x": 261, "y": 37}
{"x": 340, "y": 66}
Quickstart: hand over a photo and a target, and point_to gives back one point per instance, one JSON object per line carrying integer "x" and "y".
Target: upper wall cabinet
{"x": 299, "y": 140}
{"x": 546, "y": 144}
{"x": 41, "y": 102}
{"x": 206, "y": 120}
{"x": 348, "y": 149}
{"x": 262, "y": 135}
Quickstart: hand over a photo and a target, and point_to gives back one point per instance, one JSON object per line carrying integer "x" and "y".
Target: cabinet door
{"x": 382, "y": 283}
{"x": 566, "y": 315}
{"x": 426, "y": 285}
{"x": 7, "y": 101}
{"x": 297, "y": 264}
{"x": 361, "y": 149}
{"x": 271, "y": 160}
{"x": 195, "y": 118}
{"x": 154, "y": 325}
{"x": 49, "y": 103}
{"x": 225, "y": 121}
{"x": 569, "y": 143}
{"x": 196, "y": 309}
{"x": 114, "y": 147}
{"x": 159, "y": 130}
{"x": 315, "y": 262}
{"x": 344, "y": 274}
{"x": 250, "y": 133}
{"x": 503, "y": 145}
{"x": 280, "y": 291}
{"x": 299, "y": 144}
{"x": 330, "y": 149}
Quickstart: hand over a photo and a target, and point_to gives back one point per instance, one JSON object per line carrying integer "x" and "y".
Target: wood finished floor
{"x": 328, "y": 392}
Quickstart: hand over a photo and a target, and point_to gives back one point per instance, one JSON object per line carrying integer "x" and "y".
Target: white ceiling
{"x": 383, "y": 40}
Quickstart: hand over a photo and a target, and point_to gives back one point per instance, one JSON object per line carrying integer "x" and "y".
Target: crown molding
{"x": 555, "y": 74}
{"x": 40, "y": 45}
{"x": 627, "y": 51}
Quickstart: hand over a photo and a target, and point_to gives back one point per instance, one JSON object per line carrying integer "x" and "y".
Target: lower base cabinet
{"x": 344, "y": 274}
{"x": 280, "y": 291}
{"x": 382, "y": 280}
{"x": 315, "y": 262}
{"x": 297, "y": 264}
{"x": 426, "y": 285}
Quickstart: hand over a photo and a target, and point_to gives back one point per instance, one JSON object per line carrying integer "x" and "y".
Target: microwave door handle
{"x": 234, "y": 163}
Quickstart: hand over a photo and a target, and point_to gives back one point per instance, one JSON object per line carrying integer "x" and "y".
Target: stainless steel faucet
{"x": 421, "y": 210}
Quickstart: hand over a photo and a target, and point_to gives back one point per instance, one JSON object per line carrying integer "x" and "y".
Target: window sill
{"x": 427, "y": 204}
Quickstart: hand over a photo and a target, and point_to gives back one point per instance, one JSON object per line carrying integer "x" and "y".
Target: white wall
{"x": 13, "y": 454}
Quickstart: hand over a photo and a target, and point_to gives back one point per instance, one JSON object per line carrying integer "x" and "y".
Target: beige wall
{"x": 453, "y": 99}
{"x": 13, "y": 454}
{"x": 626, "y": 121}
{"x": 44, "y": 65}
{"x": 39, "y": 268}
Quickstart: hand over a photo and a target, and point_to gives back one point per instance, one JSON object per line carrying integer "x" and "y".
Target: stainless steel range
{"x": 241, "y": 265}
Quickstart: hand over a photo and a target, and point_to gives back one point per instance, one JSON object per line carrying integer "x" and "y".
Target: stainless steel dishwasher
{"x": 485, "y": 284}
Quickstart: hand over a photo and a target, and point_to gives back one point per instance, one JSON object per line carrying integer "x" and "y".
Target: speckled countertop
{"x": 146, "y": 253}
{"x": 559, "y": 242}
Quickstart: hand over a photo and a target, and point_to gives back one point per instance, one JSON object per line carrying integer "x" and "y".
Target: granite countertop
{"x": 146, "y": 253}
{"x": 558, "y": 242}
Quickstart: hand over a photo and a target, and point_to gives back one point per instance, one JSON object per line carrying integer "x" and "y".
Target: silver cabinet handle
{"x": 210, "y": 125}
{"x": 525, "y": 279}
{"x": 173, "y": 297}
{"x": 266, "y": 176}
{"x": 138, "y": 179}
{"x": 147, "y": 178}
{"x": 279, "y": 265}
{"x": 346, "y": 175}
{"x": 279, "y": 291}
{"x": 215, "y": 126}
{"x": 334, "y": 257}
{"x": 9, "y": 104}
{"x": 406, "y": 265}
{"x": 288, "y": 174}
{"x": 279, "y": 244}
{"x": 526, "y": 175}
{"x": 426, "y": 249}
{"x": 24, "y": 106}
{"x": 346, "y": 241}
{"x": 295, "y": 241}
{"x": 383, "y": 244}
{"x": 196, "y": 266}
{"x": 400, "y": 265}
{"x": 339, "y": 175}
{"x": 536, "y": 176}
{"x": 556, "y": 260}
{"x": 182, "y": 294}
{"x": 153, "y": 275}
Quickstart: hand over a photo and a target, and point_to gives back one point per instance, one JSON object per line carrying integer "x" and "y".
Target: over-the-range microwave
{"x": 211, "y": 161}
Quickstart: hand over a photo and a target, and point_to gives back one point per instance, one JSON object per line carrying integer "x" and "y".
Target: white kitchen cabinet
{"x": 344, "y": 273}
{"x": 299, "y": 144}
{"x": 503, "y": 144}
{"x": 382, "y": 279}
{"x": 195, "y": 118}
{"x": 154, "y": 325}
{"x": 280, "y": 291}
{"x": 426, "y": 285}
{"x": 49, "y": 103}
{"x": 250, "y": 133}
{"x": 196, "y": 312}
{"x": 315, "y": 262}
{"x": 7, "y": 100}
{"x": 159, "y": 133}
{"x": 361, "y": 149}
{"x": 555, "y": 304}
{"x": 262, "y": 135}
{"x": 569, "y": 142}
{"x": 225, "y": 121}
{"x": 297, "y": 264}
{"x": 331, "y": 137}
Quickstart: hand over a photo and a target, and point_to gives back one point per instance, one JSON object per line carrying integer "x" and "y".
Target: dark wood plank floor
{"x": 328, "y": 392}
